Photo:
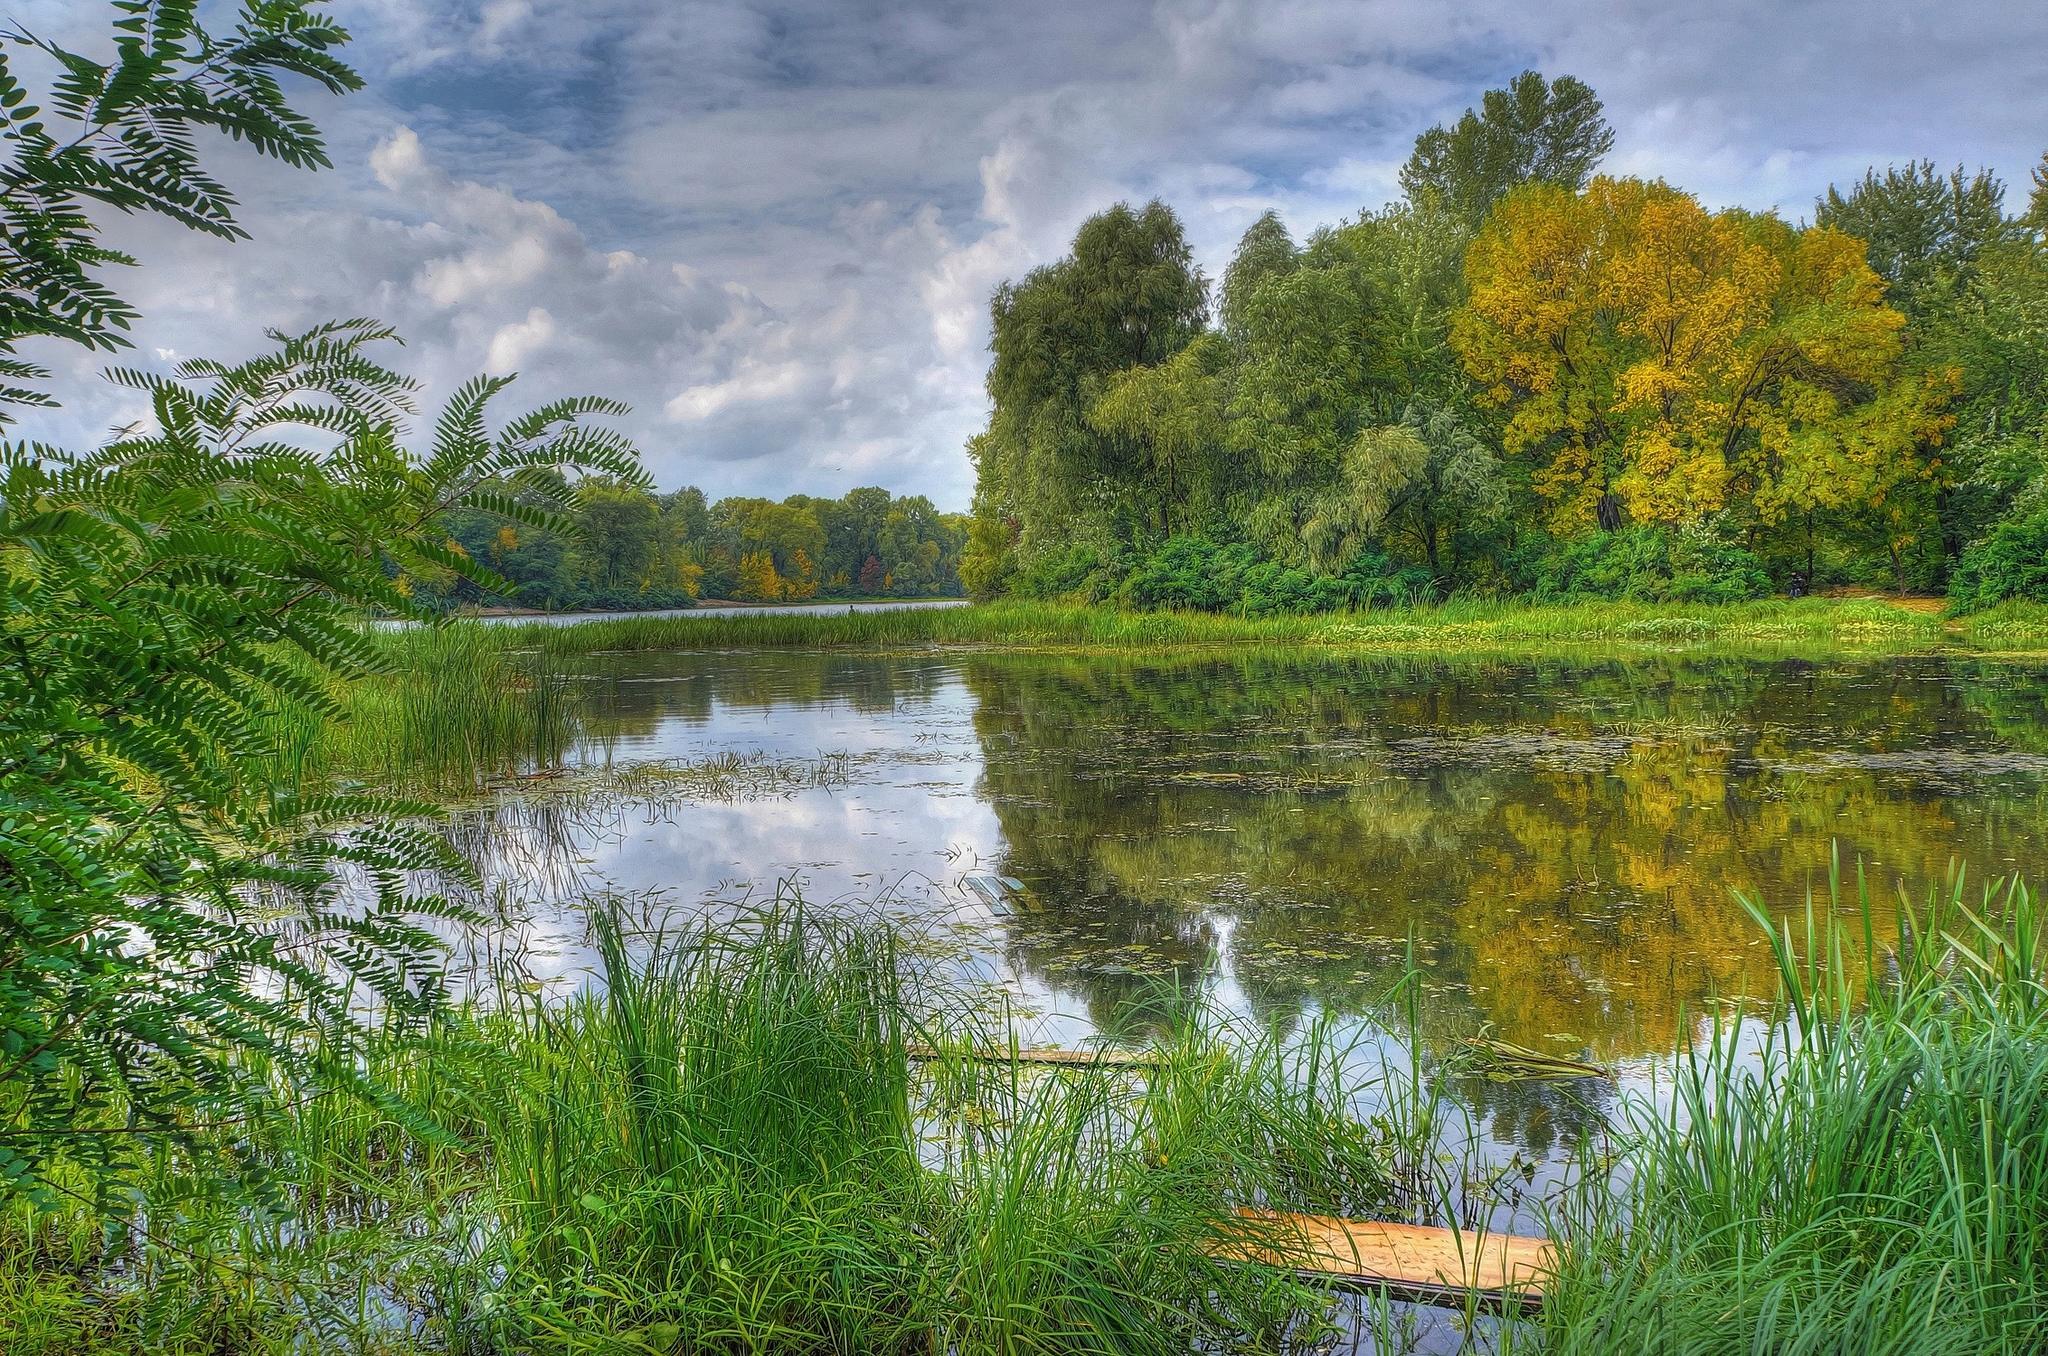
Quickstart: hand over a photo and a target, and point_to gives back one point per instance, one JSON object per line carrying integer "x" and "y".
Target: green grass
{"x": 1864, "y": 625}
{"x": 1873, "y": 1178}
{"x": 456, "y": 709}
{"x": 720, "y": 1145}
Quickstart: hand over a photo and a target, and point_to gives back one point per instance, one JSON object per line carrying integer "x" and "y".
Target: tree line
{"x": 1527, "y": 377}
{"x": 626, "y": 546}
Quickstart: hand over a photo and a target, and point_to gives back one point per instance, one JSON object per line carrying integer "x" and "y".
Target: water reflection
{"x": 1560, "y": 840}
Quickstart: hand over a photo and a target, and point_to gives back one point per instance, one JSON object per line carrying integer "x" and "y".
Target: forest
{"x": 1529, "y": 378}
{"x": 626, "y": 547}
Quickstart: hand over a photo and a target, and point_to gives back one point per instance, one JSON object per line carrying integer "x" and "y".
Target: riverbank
{"x": 1858, "y": 625}
{"x": 726, "y": 1146}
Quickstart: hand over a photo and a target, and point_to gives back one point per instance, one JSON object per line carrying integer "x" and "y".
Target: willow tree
{"x": 1127, "y": 295}
{"x": 1658, "y": 362}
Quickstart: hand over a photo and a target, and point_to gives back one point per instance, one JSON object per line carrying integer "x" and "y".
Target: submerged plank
{"x": 1121, "y": 1059}
{"x": 1408, "y": 1261}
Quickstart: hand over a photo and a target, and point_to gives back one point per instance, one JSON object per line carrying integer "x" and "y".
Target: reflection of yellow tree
{"x": 1562, "y": 841}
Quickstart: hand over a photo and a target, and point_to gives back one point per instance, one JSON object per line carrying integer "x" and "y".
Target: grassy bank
{"x": 1854, "y": 625}
{"x": 1869, "y": 1175}
{"x": 722, "y": 1146}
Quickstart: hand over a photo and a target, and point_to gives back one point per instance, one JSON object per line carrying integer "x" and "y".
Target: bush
{"x": 1078, "y": 572}
{"x": 2010, "y": 562}
{"x": 1189, "y": 573}
{"x": 1653, "y": 564}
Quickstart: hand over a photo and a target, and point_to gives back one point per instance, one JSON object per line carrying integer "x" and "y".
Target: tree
{"x": 758, "y": 580}
{"x": 1332, "y": 348}
{"x": 2037, "y": 202}
{"x": 1531, "y": 132}
{"x": 1264, "y": 251}
{"x": 1653, "y": 357}
{"x": 1128, "y": 294}
{"x": 802, "y": 581}
{"x": 1924, "y": 230}
{"x": 120, "y": 133}
{"x": 871, "y": 577}
{"x": 619, "y": 530}
{"x": 1176, "y": 412}
{"x": 174, "y": 948}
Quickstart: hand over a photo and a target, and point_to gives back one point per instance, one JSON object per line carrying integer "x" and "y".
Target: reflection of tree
{"x": 1562, "y": 839}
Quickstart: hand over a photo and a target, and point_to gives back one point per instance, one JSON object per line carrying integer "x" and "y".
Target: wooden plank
{"x": 1408, "y": 1261}
{"x": 1115, "y": 1059}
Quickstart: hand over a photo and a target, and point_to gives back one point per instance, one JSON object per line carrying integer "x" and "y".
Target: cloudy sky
{"x": 773, "y": 226}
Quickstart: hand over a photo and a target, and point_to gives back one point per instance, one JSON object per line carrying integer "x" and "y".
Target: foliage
{"x": 2009, "y": 562}
{"x": 1924, "y": 230}
{"x": 1689, "y": 565}
{"x": 1534, "y": 131}
{"x": 169, "y": 896}
{"x": 1521, "y": 357}
{"x": 1657, "y": 359}
{"x": 121, "y": 133}
{"x": 637, "y": 550}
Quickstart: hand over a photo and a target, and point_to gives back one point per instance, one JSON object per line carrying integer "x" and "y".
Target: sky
{"x": 772, "y": 226}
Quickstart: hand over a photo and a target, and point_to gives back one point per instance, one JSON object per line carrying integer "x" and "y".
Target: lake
{"x": 1562, "y": 840}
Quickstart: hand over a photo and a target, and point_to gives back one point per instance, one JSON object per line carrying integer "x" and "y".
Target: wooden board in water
{"x": 1408, "y": 1261}
{"x": 1121, "y": 1059}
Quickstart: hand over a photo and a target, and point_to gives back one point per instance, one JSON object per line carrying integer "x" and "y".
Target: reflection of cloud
{"x": 772, "y": 225}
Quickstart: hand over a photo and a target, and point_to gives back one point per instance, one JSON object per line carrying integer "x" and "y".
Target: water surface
{"x": 1562, "y": 840}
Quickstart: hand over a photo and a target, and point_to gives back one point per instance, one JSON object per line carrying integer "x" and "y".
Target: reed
{"x": 1862, "y": 1168}
{"x": 455, "y": 708}
{"x": 1455, "y": 626}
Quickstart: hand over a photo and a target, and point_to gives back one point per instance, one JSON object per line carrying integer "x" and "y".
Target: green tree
{"x": 1265, "y": 249}
{"x": 1534, "y": 131}
{"x": 1924, "y": 229}
{"x": 618, "y": 534}
{"x": 1127, "y": 295}
{"x": 1177, "y": 414}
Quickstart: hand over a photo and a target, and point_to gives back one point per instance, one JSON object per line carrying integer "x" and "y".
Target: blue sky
{"x": 773, "y": 227}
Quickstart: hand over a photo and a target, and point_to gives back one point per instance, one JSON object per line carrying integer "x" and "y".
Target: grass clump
{"x": 1864, "y": 1170}
{"x": 727, "y": 1149}
{"x": 454, "y": 708}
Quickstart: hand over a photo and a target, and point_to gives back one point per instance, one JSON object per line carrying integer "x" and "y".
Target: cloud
{"x": 773, "y": 225}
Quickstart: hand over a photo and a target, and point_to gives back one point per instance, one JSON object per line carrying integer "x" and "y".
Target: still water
{"x": 1563, "y": 841}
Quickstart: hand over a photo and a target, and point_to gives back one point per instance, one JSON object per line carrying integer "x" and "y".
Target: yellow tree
{"x": 1657, "y": 360}
{"x": 758, "y": 581}
{"x": 802, "y": 580}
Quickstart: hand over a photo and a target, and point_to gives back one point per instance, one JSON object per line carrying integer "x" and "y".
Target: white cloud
{"x": 773, "y": 225}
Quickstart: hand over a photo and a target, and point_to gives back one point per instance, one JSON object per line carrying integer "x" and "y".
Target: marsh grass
{"x": 456, "y": 708}
{"x": 1457, "y": 626}
{"x": 1864, "y": 1168}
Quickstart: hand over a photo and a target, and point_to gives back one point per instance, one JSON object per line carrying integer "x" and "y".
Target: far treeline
{"x": 1527, "y": 378}
{"x": 631, "y": 548}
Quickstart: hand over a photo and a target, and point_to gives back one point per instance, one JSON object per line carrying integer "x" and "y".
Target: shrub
{"x": 2011, "y": 561}
{"x": 1653, "y": 564}
{"x": 1189, "y": 573}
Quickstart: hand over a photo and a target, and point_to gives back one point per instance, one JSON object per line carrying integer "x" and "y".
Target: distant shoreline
{"x": 701, "y": 605}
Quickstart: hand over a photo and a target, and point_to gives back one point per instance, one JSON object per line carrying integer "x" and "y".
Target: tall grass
{"x": 1865, "y": 1169}
{"x": 719, "y": 1144}
{"x": 457, "y": 708}
{"x": 724, "y": 1148}
{"x": 1458, "y": 625}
